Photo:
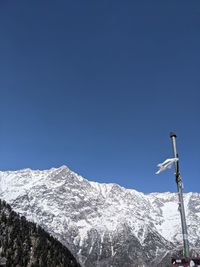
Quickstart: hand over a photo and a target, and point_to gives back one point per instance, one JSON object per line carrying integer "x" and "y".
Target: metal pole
{"x": 180, "y": 197}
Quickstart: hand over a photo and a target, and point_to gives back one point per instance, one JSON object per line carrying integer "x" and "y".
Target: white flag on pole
{"x": 166, "y": 164}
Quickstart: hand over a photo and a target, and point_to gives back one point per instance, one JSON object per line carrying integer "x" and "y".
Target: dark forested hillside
{"x": 23, "y": 243}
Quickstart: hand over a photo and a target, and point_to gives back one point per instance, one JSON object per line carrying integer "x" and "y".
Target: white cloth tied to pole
{"x": 166, "y": 164}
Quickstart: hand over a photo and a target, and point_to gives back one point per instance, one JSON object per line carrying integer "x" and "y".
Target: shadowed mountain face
{"x": 102, "y": 224}
{"x": 24, "y": 244}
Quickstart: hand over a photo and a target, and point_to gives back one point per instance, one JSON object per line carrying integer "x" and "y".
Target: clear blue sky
{"x": 98, "y": 86}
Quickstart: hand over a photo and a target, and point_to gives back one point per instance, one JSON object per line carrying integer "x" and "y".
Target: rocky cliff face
{"x": 102, "y": 224}
{"x": 24, "y": 244}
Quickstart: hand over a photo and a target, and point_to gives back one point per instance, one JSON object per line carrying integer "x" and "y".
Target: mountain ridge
{"x": 101, "y": 222}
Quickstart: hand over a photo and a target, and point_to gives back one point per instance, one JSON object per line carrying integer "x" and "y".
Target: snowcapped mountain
{"x": 102, "y": 224}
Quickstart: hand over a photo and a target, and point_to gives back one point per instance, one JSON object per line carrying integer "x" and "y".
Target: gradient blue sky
{"x": 98, "y": 86}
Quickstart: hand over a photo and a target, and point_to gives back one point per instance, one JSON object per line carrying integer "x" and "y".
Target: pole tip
{"x": 172, "y": 134}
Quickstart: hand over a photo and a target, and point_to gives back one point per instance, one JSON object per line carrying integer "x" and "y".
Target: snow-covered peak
{"x": 64, "y": 202}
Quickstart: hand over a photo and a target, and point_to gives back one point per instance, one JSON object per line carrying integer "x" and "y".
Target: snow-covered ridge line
{"x": 89, "y": 216}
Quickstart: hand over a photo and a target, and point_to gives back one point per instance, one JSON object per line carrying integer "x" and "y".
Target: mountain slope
{"x": 102, "y": 224}
{"x": 23, "y": 244}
